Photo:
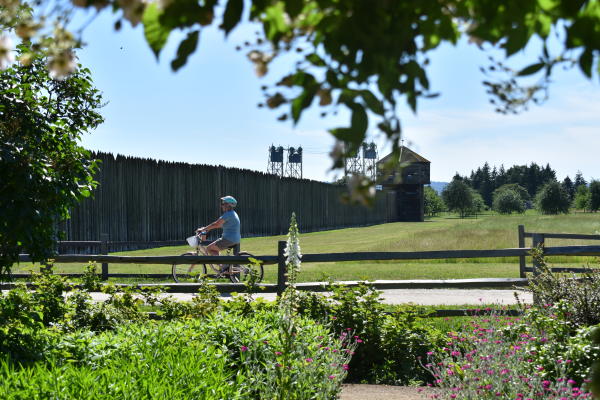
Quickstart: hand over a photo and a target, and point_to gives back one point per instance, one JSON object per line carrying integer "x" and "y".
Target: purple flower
{"x": 278, "y": 353}
{"x": 309, "y": 360}
{"x": 244, "y": 348}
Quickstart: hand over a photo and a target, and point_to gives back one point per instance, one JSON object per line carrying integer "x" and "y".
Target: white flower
{"x": 6, "y": 52}
{"x": 61, "y": 64}
{"x": 292, "y": 250}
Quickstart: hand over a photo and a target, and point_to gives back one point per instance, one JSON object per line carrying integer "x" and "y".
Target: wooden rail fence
{"x": 539, "y": 239}
{"x": 279, "y": 260}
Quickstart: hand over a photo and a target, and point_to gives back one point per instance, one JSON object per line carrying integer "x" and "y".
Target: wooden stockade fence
{"x": 539, "y": 239}
{"x": 279, "y": 260}
{"x": 144, "y": 200}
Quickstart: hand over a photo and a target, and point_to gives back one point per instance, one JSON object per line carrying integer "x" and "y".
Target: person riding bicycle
{"x": 230, "y": 222}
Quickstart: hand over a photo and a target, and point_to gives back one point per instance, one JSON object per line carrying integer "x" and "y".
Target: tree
{"x": 594, "y": 199}
{"x": 582, "y": 198}
{"x": 552, "y": 199}
{"x": 508, "y": 201}
{"x": 433, "y": 202}
{"x": 478, "y": 205}
{"x": 567, "y": 184}
{"x": 43, "y": 170}
{"x": 579, "y": 180}
{"x": 360, "y": 55}
{"x": 520, "y": 190}
{"x": 458, "y": 197}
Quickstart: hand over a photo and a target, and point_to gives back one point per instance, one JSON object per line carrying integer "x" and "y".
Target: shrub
{"x": 580, "y": 292}
{"x": 513, "y": 358}
{"x": 389, "y": 342}
{"x": 507, "y": 202}
{"x": 552, "y": 199}
{"x": 222, "y": 356}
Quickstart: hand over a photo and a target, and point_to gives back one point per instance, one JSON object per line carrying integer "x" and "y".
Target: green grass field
{"x": 439, "y": 233}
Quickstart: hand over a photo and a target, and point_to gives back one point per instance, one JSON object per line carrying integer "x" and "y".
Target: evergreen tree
{"x": 567, "y": 184}
{"x": 487, "y": 186}
{"x": 579, "y": 180}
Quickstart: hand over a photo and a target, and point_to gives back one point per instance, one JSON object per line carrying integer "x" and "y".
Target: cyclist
{"x": 230, "y": 222}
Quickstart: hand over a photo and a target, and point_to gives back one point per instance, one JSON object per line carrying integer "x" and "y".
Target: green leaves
{"x": 186, "y": 47}
{"x": 532, "y": 69}
{"x": 156, "y": 34}
{"x": 233, "y": 15}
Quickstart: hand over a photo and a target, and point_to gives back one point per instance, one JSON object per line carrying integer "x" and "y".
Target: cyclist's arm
{"x": 215, "y": 225}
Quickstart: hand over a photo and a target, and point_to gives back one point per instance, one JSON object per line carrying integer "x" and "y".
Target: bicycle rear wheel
{"x": 241, "y": 272}
{"x": 187, "y": 272}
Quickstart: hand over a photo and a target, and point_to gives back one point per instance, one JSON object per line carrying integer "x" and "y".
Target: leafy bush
{"x": 552, "y": 199}
{"x": 390, "y": 343}
{"x": 222, "y": 356}
{"x": 507, "y": 202}
{"x": 581, "y": 293}
{"x": 533, "y": 357}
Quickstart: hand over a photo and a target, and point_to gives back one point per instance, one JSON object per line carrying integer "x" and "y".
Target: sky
{"x": 207, "y": 112}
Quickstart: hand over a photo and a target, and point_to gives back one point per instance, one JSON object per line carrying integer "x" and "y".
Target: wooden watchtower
{"x": 406, "y": 183}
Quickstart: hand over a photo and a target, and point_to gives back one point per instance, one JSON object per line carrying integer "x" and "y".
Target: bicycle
{"x": 236, "y": 273}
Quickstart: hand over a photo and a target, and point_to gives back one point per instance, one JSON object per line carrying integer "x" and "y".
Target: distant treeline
{"x": 531, "y": 177}
{"x": 147, "y": 200}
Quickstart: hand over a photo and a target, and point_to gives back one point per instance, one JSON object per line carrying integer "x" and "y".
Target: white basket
{"x": 193, "y": 241}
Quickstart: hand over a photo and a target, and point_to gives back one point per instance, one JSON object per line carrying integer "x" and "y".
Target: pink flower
{"x": 309, "y": 360}
{"x": 331, "y": 376}
{"x": 278, "y": 353}
{"x": 244, "y": 348}
{"x": 346, "y": 367}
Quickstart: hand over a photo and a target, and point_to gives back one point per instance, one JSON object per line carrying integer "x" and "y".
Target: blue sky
{"x": 206, "y": 113}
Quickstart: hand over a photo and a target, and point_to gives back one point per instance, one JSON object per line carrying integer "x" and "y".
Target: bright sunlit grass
{"x": 439, "y": 233}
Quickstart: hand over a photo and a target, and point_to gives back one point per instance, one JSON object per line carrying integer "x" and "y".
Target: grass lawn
{"x": 439, "y": 233}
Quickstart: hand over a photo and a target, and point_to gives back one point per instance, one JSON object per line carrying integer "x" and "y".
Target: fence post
{"x": 104, "y": 250}
{"x": 521, "y": 245}
{"x": 281, "y": 267}
{"x": 538, "y": 240}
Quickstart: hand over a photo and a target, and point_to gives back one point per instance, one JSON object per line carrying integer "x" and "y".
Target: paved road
{"x": 416, "y": 296}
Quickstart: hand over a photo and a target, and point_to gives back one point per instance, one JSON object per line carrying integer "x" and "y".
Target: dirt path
{"x": 416, "y": 296}
{"x": 382, "y": 392}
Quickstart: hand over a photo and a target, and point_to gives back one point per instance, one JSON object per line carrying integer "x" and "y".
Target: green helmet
{"x": 229, "y": 200}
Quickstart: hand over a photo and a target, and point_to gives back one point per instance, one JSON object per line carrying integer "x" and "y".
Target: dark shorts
{"x": 223, "y": 244}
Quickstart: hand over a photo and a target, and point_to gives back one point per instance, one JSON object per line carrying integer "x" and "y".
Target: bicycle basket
{"x": 192, "y": 241}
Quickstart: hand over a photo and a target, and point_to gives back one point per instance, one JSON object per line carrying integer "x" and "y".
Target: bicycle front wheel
{"x": 187, "y": 272}
{"x": 242, "y": 272}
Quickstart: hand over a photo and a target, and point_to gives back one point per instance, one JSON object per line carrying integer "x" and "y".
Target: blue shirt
{"x": 231, "y": 227}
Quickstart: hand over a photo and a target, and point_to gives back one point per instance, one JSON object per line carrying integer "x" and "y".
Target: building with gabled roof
{"x": 406, "y": 183}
